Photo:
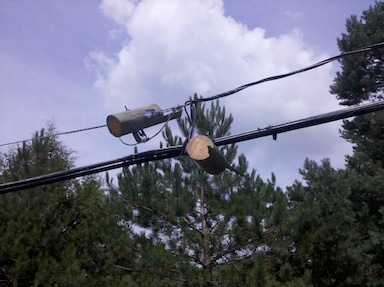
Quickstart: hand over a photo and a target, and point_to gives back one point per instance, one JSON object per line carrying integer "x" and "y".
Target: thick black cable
{"x": 176, "y": 151}
{"x": 91, "y": 169}
{"x": 303, "y": 123}
{"x": 238, "y": 89}
{"x": 272, "y": 130}
{"x": 273, "y": 78}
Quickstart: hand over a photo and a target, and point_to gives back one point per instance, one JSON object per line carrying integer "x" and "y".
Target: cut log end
{"x": 114, "y": 126}
{"x": 197, "y": 147}
{"x": 201, "y": 149}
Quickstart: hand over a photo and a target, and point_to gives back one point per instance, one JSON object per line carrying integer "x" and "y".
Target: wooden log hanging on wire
{"x": 202, "y": 149}
{"x": 134, "y": 120}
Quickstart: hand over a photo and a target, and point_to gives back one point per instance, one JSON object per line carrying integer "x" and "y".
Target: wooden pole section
{"x": 202, "y": 149}
{"x": 133, "y": 120}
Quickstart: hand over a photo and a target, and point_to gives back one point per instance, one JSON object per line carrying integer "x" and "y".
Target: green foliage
{"x": 335, "y": 219}
{"x": 367, "y": 135}
{"x": 61, "y": 234}
{"x": 43, "y": 155}
{"x": 361, "y": 78}
{"x": 322, "y": 230}
{"x": 335, "y": 233}
{"x": 169, "y": 223}
{"x": 198, "y": 229}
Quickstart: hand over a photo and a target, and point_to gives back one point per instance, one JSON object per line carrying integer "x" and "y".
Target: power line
{"x": 303, "y": 123}
{"x": 91, "y": 169}
{"x": 231, "y": 92}
{"x": 273, "y": 78}
{"x": 56, "y": 134}
{"x": 175, "y": 151}
{"x": 178, "y": 150}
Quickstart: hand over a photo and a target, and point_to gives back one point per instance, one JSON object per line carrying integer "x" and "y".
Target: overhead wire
{"x": 175, "y": 151}
{"x": 273, "y": 78}
{"x": 228, "y": 93}
{"x": 56, "y": 134}
{"x": 178, "y": 150}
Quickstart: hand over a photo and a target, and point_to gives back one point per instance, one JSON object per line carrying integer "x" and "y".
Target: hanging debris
{"x": 135, "y": 120}
{"x": 202, "y": 149}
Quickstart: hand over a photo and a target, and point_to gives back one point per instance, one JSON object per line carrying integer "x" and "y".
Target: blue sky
{"x": 76, "y": 62}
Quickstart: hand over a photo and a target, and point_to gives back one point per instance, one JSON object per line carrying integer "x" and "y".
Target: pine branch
{"x": 191, "y": 226}
{"x": 127, "y": 269}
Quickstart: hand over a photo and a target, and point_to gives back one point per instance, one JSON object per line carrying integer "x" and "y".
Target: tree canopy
{"x": 200, "y": 230}
{"x": 361, "y": 78}
{"x": 169, "y": 223}
{"x": 59, "y": 234}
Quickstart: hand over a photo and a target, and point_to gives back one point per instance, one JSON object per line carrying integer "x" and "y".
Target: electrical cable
{"x": 231, "y": 92}
{"x": 178, "y": 150}
{"x": 273, "y": 78}
{"x": 90, "y": 169}
{"x": 175, "y": 151}
{"x": 56, "y": 134}
{"x": 303, "y": 123}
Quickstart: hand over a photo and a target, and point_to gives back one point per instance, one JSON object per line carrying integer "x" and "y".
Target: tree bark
{"x": 207, "y": 260}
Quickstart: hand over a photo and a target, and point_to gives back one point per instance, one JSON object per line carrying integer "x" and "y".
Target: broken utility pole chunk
{"x": 202, "y": 149}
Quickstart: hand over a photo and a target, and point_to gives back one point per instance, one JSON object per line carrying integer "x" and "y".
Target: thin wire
{"x": 193, "y": 118}
{"x": 128, "y": 144}
{"x": 86, "y": 129}
{"x": 174, "y": 151}
{"x": 321, "y": 63}
{"x": 228, "y": 93}
{"x": 186, "y": 112}
{"x": 56, "y": 134}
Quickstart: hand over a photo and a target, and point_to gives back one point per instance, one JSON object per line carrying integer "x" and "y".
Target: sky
{"x": 76, "y": 62}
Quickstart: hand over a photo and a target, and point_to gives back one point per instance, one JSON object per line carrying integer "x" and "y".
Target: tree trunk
{"x": 207, "y": 263}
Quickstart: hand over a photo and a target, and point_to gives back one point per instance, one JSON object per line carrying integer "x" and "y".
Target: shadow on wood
{"x": 202, "y": 149}
{"x": 134, "y": 120}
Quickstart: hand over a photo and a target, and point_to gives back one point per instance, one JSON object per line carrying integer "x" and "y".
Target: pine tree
{"x": 335, "y": 220}
{"x": 362, "y": 79}
{"x": 195, "y": 228}
{"x": 60, "y": 234}
{"x": 323, "y": 230}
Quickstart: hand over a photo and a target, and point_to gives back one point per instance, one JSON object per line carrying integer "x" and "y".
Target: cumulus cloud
{"x": 175, "y": 48}
{"x": 118, "y": 10}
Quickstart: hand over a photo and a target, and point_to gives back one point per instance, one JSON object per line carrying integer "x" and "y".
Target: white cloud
{"x": 175, "y": 48}
{"x": 294, "y": 15}
{"x": 118, "y": 10}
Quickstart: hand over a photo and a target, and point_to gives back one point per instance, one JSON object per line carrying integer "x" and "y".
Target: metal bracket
{"x": 140, "y": 136}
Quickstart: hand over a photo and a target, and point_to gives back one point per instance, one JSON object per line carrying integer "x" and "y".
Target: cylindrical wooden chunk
{"x": 201, "y": 149}
{"x": 131, "y": 121}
